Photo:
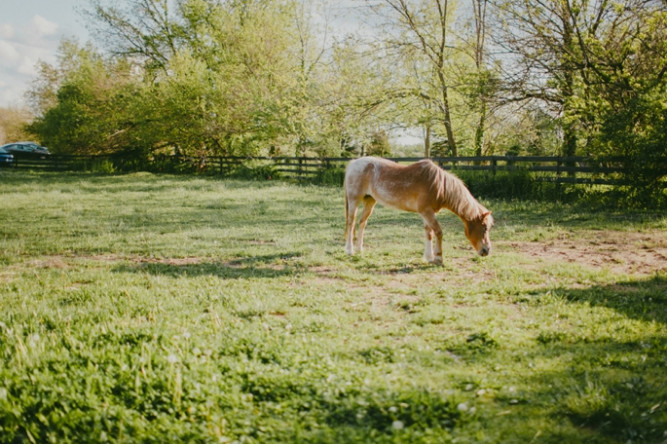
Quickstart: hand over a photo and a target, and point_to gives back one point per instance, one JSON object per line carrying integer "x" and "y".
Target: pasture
{"x": 155, "y": 308}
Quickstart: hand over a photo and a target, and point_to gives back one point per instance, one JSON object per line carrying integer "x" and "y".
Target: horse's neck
{"x": 461, "y": 202}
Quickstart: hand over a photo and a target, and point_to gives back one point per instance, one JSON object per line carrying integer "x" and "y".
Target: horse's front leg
{"x": 428, "y": 244}
{"x": 432, "y": 227}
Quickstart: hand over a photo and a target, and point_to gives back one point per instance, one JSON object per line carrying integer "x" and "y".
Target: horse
{"x": 421, "y": 187}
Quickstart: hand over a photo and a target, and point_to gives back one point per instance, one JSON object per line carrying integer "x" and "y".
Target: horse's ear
{"x": 487, "y": 218}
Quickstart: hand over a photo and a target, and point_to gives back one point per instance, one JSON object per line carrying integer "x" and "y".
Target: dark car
{"x": 6, "y": 158}
{"x": 27, "y": 149}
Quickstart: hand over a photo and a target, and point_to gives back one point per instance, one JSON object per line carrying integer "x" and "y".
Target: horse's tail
{"x": 346, "y": 206}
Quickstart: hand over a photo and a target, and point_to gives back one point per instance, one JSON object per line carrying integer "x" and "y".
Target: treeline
{"x": 331, "y": 78}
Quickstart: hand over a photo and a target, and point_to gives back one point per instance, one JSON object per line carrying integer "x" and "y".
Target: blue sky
{"x": 30, "y": 31}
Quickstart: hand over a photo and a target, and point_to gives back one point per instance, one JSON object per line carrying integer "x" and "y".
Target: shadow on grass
{"x": 643, "y": 299}
{"x": 610, "y": 391}
{"x": 255, "y": 267}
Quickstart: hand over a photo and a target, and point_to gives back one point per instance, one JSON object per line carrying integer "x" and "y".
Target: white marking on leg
{"x": 432, "y": 225}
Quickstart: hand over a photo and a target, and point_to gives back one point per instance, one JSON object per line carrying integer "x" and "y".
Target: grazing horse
{"x": 421, "y": 187}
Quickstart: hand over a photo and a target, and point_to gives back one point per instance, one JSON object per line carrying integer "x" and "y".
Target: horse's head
{"x": 477, "y": 232}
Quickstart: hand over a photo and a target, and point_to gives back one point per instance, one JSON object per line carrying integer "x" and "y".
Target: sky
{"x": 31, "y": 31}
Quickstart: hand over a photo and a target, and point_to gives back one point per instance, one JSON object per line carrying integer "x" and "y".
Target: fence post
{"x": 559, "y": 166}
{"x": 510, "y": 163}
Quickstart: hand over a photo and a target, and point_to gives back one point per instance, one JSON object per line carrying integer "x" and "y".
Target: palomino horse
{"x": 421, "y": 187}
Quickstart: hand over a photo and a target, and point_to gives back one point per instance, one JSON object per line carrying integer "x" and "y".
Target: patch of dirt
{"x": 174, "y": 261}
{"x": 65, "y": 262}
{"x": 49, "y": 262}
{"x": 642, "y": 253}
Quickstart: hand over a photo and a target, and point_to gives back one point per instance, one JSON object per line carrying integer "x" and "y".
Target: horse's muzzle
{"x": 484, "y": 251}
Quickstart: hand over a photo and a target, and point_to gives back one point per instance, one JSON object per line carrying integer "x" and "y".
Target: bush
{"x": 330, "y": 176}
{"x": 104, "y": 166}
{"x": 517, "y": 184}
{"x": 255, "y": 172}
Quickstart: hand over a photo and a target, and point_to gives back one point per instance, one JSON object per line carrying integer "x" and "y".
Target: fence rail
{"x": 573, "y": 170}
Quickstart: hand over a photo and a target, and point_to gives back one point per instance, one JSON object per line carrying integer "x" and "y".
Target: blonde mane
{"x": 451, "y": 192}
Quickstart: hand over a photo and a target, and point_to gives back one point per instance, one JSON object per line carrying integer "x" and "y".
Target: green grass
{"x": 148, "y": 308}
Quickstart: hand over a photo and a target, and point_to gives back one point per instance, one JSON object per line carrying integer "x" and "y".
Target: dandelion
{"x": 172, "y": 359}
{"x": 397, "y": 425}
{"x": 33, "y": 340}
{"x": 463, "y": 407}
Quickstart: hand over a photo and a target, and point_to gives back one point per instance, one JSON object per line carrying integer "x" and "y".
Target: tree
{"x": 586, "y": 60}
{"x": 142, "y": 30}
{"x": 80, "y": 100}
{"x": 13, "y": 123}
{"x": 425, "y": 32}
{"x": 482, "y": 84}
{"x": 224, "y": 71}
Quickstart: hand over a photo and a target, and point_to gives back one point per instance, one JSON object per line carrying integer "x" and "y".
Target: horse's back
{"x": 399, "y": 186}
{"x": 366, "y": 163}
{"x": 364, "y": 171}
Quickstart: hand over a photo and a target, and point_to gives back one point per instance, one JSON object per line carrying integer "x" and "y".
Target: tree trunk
{"x": 451, "y": 142}
{"x": 479, "y": 131}
{"x": 427, "y": 141}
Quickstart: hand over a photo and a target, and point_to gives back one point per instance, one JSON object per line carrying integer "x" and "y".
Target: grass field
{"x": 146, "y": 308}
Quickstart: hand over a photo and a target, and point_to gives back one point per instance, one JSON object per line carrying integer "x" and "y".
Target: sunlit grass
{"x": 170, "y": 309}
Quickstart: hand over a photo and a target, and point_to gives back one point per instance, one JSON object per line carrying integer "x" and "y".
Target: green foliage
{"x": 379, "y": 145}
{"x": 517, "y": 184}
{"x": 255, "y": 172}
{"x": 604, "y": 64}
{"x": 104, "y": 166}
{"x": 204, "y": 77}
{"x": 13, "y": 123}
{"x": 330, "y": 176}
{"x": 523, "y": 185}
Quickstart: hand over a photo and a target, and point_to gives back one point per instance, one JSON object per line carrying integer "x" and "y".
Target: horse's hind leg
{"x": 350, "y": 216}
{"x": 369, "y": 204}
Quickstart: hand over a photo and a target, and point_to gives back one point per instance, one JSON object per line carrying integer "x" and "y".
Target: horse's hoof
{"x": 436, "y": 260}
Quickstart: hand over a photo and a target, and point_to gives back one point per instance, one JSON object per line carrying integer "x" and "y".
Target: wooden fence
{"x": 579, "y": 170}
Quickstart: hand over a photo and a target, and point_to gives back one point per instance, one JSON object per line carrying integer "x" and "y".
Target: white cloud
{"x": 11, "y": 93}
{"x": 6, "y": 31}
{"x": 43, "y": 27}
{"x": 27, "y": 66}
{"x": 21, "y": 48}
{"x": 9, "y": 55}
